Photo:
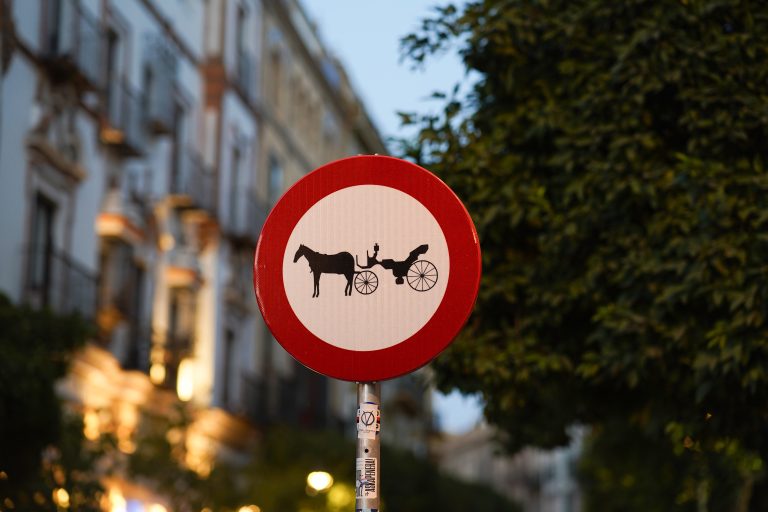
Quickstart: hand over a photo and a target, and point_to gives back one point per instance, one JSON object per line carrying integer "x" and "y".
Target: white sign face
{"x": 381, "y": 264}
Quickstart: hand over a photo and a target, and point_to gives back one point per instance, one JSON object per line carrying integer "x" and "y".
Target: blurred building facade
{"x": 142, "y": 145}
{"x": 538, "y": 480}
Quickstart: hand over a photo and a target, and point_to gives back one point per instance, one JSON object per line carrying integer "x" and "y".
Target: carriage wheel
{"x": 366, "y": 282}
{"x": 422, "y": 275}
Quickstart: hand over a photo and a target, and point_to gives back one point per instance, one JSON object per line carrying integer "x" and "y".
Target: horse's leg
{"x": 348, "y": 289}
{"x": 317, "y": 284}
{"x": 314, "y": 283}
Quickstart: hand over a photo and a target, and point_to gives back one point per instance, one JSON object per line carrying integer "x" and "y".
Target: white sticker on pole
{"x": 368, "y": 421}
{"x": 366, "y": 477}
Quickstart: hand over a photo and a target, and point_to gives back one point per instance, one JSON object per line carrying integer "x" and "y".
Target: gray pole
{"x": 368, "y": 458}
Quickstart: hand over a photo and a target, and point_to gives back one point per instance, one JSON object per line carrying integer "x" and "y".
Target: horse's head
{"x": 299, "y": 253}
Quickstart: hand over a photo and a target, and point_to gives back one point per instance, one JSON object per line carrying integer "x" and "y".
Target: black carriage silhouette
{"x": 420, "y": 274}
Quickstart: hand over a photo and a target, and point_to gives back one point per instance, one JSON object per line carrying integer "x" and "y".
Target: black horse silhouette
{"x": 341, "y": 263}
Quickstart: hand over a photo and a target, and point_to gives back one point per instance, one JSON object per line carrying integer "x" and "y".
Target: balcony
{"x": 192, "y": 183}
{"x": 246, "y": 218}
{"x": 121, "y": 217}
{"x": 123, "y": 125}
{"x": 57, "y": 282}
{"x": 183, "y": 268}
{"x": 73, "y": 42}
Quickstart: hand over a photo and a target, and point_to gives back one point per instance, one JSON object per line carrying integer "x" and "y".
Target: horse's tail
{"x": 358, "y": 264}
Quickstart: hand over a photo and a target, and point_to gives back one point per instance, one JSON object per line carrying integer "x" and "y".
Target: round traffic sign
{"x": 367, "y": 268}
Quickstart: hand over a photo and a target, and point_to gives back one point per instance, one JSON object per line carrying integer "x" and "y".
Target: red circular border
{"x": 442, "y": 327}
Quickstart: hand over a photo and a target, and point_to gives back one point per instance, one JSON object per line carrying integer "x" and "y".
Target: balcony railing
{"x": 125, "y": 203}
{"x": 57, "y": 282}
{"x": 192, "y": 180}
{"x": 73, "y": 43}
{"x": 185, "y": 257}
{"x": 123, "y": 125}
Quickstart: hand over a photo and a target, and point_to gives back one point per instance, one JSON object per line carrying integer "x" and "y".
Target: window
{"x": 54, "y": 12}
{"x": 138, "y": 353}
{"x": 114, "y": 280}
{"x": 181, "y": 329}
{"x": 330, "y": 132}
{"x": 275, "y": 179}
{"x": 40, "y": 275}
{"x": 276, "y": 67}
{"x": 300, "y": 109}
{"x": 178, "y": 180}
{"x": 120, "y": 290}
{"x": 240, "y": 31}
{"x": 148, "y": 84}
{"x": 112, "y": 79}
{"x": 175, "y": 316}
{"x": 160, "y": 62}
{"x": 233, "y": 188}
{"x": 229, "y": 345}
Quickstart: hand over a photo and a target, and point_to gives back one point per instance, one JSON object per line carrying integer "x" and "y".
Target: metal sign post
{"x": 368, "y": 456}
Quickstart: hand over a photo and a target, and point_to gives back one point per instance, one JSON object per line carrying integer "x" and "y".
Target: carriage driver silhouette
{"x": 421, "y": 274}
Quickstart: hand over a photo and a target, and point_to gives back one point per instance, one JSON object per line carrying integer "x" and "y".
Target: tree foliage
{"x": 41, "y": 446}
{"x": 624, "y": 469}
{"x": 612, "y": 155}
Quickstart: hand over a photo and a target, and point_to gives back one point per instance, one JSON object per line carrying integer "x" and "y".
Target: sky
{"x": 365, "y": 36}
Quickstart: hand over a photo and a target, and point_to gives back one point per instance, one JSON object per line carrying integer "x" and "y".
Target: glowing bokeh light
{"x": 157, "y": 373}
{"x": 61, "y": 497}
{"x": 185, "y": 385}
{"x": 319, "y": 481}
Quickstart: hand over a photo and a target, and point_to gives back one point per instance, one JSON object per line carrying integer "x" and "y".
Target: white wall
{"x": 88, "y": 195}
{"x": 187, "y": 19}
{"x": 27, "y": 15}
{"x": 17, "y": 98}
